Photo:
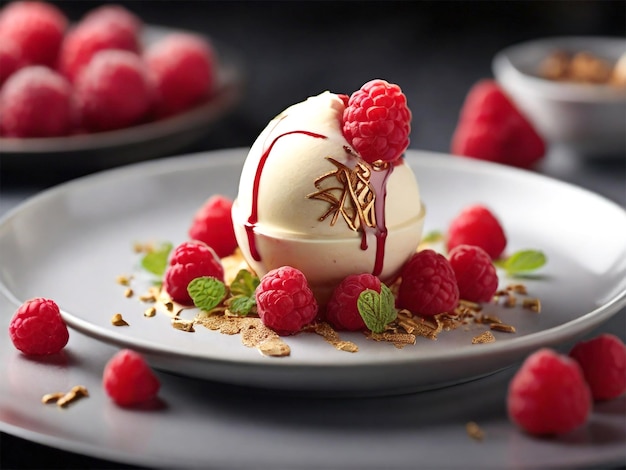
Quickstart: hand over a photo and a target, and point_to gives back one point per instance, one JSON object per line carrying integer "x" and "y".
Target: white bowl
{"x": 588, "y": 119}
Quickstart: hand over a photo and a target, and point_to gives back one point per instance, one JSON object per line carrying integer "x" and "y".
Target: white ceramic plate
{"x": 97, "y": 151}
{"x": 70, "y": 243}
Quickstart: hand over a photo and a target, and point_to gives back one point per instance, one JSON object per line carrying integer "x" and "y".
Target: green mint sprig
{"x": 377, "y": 310}
{"x": 155, "y": 261}
{"x": 522, "y": 262}
{"x": 206, "y": 292}
{"x": 243, "y": 287}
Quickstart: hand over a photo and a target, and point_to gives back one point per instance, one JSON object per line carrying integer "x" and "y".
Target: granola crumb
{"x": 532, "y": 304}
{"x": 62, "y": 399}
{"x": 502, "y": 327}
{"x": 483, "y": 338}
{"x": 118, "y": 320}
{"x": 332, "y": 337}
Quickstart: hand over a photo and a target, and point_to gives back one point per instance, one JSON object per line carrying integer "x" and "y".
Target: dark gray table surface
{"x": 291, "y": 50}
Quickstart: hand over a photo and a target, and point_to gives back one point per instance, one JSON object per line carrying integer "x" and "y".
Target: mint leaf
{"x": 433, "y": 237}
{"x": 206, "y": 292}
{"x": 522, "y": 261}
{"x": 377, "y": 310}
{"x": 156, "y": 261}
{"x": 241, "y": 305}
{"x": 244, "y": 284}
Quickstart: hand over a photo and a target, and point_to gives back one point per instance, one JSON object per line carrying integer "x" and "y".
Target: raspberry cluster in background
{"x": 58, "y": 79}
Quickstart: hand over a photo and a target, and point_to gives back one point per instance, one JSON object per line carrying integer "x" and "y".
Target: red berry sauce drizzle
{"x": 378, "y": 182}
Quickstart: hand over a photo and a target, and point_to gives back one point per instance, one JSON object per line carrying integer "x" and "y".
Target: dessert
{"x": 309, "y": 199}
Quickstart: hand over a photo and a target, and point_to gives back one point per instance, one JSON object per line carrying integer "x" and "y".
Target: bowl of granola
{"x": 572, "y": 88}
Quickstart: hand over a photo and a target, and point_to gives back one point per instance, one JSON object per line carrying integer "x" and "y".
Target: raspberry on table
{"x": 603, "y": 362}
{"x": 184, "y": 68}
{"x": 477, "y": 225}
{"x": 342, "y": 311}
{"x": 88, "y": 38}
{"x": 475, "y": 273}
{"x": 213, "y": 224}
{"x": 548, "y": 395}
{"x": 428, "y": 285}
{"x": 10, "y": 59}
{"x": 29, "y": 91}
{"x": 37, "y": 328}
{"x": 377, "y": 121}
{"x": 128, "y": 380}
{"x": 114, "y": 91}
{"x": 37, "y": 28}
{"x": 491, "y": 127}
{"x": 285, "y": 302}
{"x": 190, "y": 260}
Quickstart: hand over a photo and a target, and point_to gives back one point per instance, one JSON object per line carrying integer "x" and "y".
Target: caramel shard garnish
{"x": 532, "y": 304}
{"x": 474, "y": 431}
{"x": 484, "y": 337}
{"x": 64, "y": 399}
{"x": 517, "y": 288}
{"x": 128, "y": 293}
{"x": 332, "y": 337}
{"x": 502, "y": 327}
{"x": 117, "y": 320}
{"x": 183, "y": 325}
{"x": 149, "y": 312}
{"x": 419, "y": 326}
{"x": 395, "y": 338}
{"x": 483, "y": 318}
{"x": 51, "y": 397}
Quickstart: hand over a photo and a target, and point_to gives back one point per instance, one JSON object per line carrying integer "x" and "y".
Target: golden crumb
{"x": 117, "y": 320}
{"x": 533, "y": 305}
{"x": 474, "y": 431}
{"x": 183, "y": 325}
{"x": 149, "y": 312}
{"x": 123, "y": 279}
{"x": 483, "y": 338}
{"x": 274, "y": 347}
{"x": 128, "y": 293}
{"x": 51, "y": 397}
{"x": 517, "y": 288}
{"x": 502, "y": 327}
{"x": 64, "y": 399}
{"x": 332, "y": 337}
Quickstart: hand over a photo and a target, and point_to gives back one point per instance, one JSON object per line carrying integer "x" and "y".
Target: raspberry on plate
{"x": 88, "y": 38}
{"x": 37, "y": 28}
{"x": 114, "y": 91}
{"x": 184, "y": 69}
{"x": 189, "y": 261}
{"x": 117, "y": 14}
{"x": 29, "y": 91}
{"x": 342, "y": 311}
{"x": 548, "y": 395}
{"x": 475, "y": 273}
{"x": 477, "y": 225}
{"x": 492, "y": 128}
{"x": 603, "y": 362}
{"x": 428, "y": 285}
{"x": 37, "y": 328}
{"x": 10, "y": 59}
{"x": 377, "y": 121}
{"x": 285, "y": 301}
{"x": 213, "y": 224}
{"x": 128, "y": 380}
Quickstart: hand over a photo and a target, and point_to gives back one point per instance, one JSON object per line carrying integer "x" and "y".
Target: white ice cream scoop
{"x": 306, "y": 199}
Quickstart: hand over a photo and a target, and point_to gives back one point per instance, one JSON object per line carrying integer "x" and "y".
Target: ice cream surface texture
{"x": 308, "y": 200}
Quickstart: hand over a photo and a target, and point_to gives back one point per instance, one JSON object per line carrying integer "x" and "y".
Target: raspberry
{"x": 213, "y": 224}
{"x": 190, "y": 260}
{"x": 118, "y": 14}
{"x": 113, "y": 91}
{"x": 603, "y": 362}
{"x": 476, "y": 225}
{"x": 492, "y": 128}
{"x": 475, "y": 274}
{"x": 548, "y": 394}
{"x": 285, "y": 301}
{"x": 37, "y": 328}
{"x": 89, "y": 37}
{"x": 29, "y": 91}
{"x": 342, "y": 311}
{"x": 377, "y": 121}
{"x": 128, "y": 379}
{"x": 184, "y": 69}
{"x": 10, "y": 59}
{"x": 428, "y": 284}
{"x": 37, "y": 28}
